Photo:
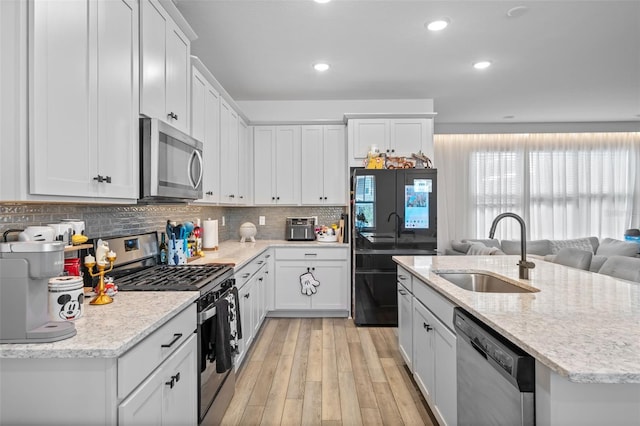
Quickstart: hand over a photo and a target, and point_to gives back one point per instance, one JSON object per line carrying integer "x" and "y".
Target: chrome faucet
{"x": 523, "y": 264}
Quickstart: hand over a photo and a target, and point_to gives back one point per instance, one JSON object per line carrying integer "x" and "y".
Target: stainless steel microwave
{"x": 170, "y": 163}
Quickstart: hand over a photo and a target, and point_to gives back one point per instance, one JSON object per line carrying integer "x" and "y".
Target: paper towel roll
{"x": 210, "y": 234}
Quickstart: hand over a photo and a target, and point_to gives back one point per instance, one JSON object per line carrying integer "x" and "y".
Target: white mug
{"x": 76, "y": 225}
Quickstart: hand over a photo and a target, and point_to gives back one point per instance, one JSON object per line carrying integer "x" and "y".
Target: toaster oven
{"x": 300, "y": 229}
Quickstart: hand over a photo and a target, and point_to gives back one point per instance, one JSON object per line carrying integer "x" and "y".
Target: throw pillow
{"x": 578, "y": 243}
{"x": 489, "y": 242}
{"x": 626, "y": 268}
{"x": 612, "y": 247}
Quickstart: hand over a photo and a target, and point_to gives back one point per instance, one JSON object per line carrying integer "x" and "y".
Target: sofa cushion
{"x": 489, "y": 242}
{"x": 460, "y": 246}
{"x": 587, "y": 244}
{"x": 597, "y": 262}
{"x": 624, "y": 267}
{"x": 612, "y": 247}
{"x": 539, "y": 247}
{"x": 576, "y": 258}
{"x": 481, "y": 249}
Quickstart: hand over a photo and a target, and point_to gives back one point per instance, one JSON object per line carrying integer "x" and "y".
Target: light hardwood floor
{"x": 325, "y": 371}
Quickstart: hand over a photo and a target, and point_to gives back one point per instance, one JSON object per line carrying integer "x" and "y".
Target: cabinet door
{"x": 211, "y": 146}
{"x": 247, "y": 295}
{"x": 169, "y": 395}
{"x": 334, "y": 165}
{"x": 405, "y": 324}
{"x": 177, "y": 85}
{"x": 62, "y": 144}
{"x": 288, "y": 292}
{"x": 264, "y": 165}
{"x": 408, "y": 135}
{"x": 228, "y": 154}
{"x": 445, "y": 373}
{"x": 153, "y": 37}
{"x": 312, "y": 165}
{"x": 287, "y": 169}
{"x": 244, "y": 163}
{"x": 332, "y": 291}
{"x": 198, "y": 91}
{"x": 423, "y": 350}
{"x": 368, "y": 132}
{"x": 117, "y": 98}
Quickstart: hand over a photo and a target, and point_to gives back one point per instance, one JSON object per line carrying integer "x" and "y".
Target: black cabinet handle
{"x": 321, "y": 198}
{"x": 107, "y": 179}
{"x": 176, "y": 337}
{"x": 427, "y": 326}
{"x": 99, "y": 178}
{"x": 402, "y": 292}
{"x": 387, "y": 150}
{"x": 242, "y": 196}
{"x": 277, "y": 198}
{"x": 246, "y": 296}
{"x": 209, "y": 192}
{"x": 273, "y": 198}
{"x": 393, "y": 150}
{"x": 232, "y": 196}
{"x": 177, "y": 377}
{"x": 170, "y": 383}
{"x": 325, "y": 198}
{"x": 172, "y": 115}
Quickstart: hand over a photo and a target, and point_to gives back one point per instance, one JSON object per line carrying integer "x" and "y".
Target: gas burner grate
{"x": 171, "y": 278}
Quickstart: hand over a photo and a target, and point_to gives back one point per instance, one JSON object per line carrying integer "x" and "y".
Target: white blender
{"x": 25, "y": 270}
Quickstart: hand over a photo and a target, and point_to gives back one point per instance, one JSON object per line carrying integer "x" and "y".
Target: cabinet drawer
{"x": 436, "y": 303}
{"x": 405, "y": 278}
{"x": 244, "y": 274}
{"x": 312, "y": 253}
{"x": 143, "y": 358}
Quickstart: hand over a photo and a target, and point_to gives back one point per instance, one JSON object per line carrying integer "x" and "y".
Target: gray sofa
{"x": 547, "y": 249}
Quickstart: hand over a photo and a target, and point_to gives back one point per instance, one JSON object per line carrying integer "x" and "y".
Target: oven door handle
{"x": 204, "y": 316}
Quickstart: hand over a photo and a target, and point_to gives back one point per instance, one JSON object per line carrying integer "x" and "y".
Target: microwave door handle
{"x": 195, "y": 154}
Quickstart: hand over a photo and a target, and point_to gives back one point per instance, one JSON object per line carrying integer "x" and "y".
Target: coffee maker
{"x": 25, "y": 270}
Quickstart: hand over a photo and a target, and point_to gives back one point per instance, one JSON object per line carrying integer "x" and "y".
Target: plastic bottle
{"x": 197, "y": 233}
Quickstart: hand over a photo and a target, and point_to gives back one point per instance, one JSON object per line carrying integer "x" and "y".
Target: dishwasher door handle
{"x": 478, "y": 349}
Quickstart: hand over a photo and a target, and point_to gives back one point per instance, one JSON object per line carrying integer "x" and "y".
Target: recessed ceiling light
{"x": 517, "y": 11}
{"x": 321, "y": 66}
{"x": 437, "y": 25}
{"x": 480, "y": 65}
{"x": 322, "y": 1}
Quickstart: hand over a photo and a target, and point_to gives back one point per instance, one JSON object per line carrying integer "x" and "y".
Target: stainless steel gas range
{"x": 137, "y": 269}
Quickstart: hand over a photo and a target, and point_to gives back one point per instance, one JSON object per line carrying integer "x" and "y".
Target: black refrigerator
{"x": 393, "y": 213}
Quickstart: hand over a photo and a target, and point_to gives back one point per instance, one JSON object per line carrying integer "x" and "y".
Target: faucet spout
{"x": 398, "y": 220}
{"x": 523, "y": 264}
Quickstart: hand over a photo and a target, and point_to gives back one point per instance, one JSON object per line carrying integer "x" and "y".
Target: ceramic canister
{"x": 66, "y": 295}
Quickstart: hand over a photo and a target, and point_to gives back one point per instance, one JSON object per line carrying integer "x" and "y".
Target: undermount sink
{"x": 482, "y": 283}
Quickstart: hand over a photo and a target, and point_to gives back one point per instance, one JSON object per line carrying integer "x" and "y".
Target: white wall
{"x": 328, "y": 110}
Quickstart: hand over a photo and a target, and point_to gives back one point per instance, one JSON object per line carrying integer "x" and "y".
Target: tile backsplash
{"x": 113, "y": 220}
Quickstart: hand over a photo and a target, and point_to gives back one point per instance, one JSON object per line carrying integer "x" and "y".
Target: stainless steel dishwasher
{"x": 496, "y": 379}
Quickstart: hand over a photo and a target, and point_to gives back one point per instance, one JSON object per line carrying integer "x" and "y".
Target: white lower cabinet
{"x": 168, "y": 396}
{"x": 252, "y": 290}
{"x": 428, "y": 344}
{"x": 301, "y": 271}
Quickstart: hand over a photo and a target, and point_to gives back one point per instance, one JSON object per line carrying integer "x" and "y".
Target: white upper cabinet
{"x": 83, "y": 99}
{"x": 323, "y": 165}
{"x": 395, "y": 137}
{"x": 229, "y": 155}
{"x": 277, "y": 165}
{"x": 244, "y": 163}
{"x": 205, "y": 126}
{"x": 166, "y": 66}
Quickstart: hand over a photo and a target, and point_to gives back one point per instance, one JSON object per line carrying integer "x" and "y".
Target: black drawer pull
{"x": 176, "y": 337}
{"x": 427, "y": 326}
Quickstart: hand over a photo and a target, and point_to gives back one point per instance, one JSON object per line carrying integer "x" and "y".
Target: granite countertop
{"x": 239, "y": 254}
{"x": 108, "y": 331}
{"x": 582, "y": 325}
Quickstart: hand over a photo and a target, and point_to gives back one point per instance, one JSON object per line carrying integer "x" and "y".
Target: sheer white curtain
{"x": 566, "y": 185}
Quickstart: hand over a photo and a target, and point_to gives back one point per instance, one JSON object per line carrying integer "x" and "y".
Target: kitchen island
{"x": 582, "y": 328}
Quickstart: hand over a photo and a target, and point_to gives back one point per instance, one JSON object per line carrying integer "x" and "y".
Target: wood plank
{"x": 371, "y": 417}
{"x": 387, "y": 404}
{"x": 349, "y": 406}
{"x": 252, "y": 415}
{"x": 416, "y": 395}
{"x": 298, "y": 376}
{"x": 261, "y": 346}
{"x": 275, "y": 402}
{"x": 312, "y": 404}
{"x": 292, "y": 414}
{"x": 380, "y": 343}
{"x": 265, "y": 378}
{"x": 352, "y": 331}
{"x": 244, "y": 386}
{"x": 364, "y": 388}
{"x": 391, "y": 336}
{"x": 314, "y": 365}
{"x": 342, "y": 347}
{"x": 291, "y": 340}
{"x": 401, "y": 394}
{"x": 327, "y": 333}
{"x": 316, "y": 324}
{"x": 330, "y": 386}
{"x": 371, "y": 356}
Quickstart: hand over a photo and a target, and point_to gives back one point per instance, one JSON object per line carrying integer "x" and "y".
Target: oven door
{"x": 215, "y": 389}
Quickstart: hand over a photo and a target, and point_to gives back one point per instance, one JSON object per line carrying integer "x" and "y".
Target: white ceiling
{"x": 561, "y": 61}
